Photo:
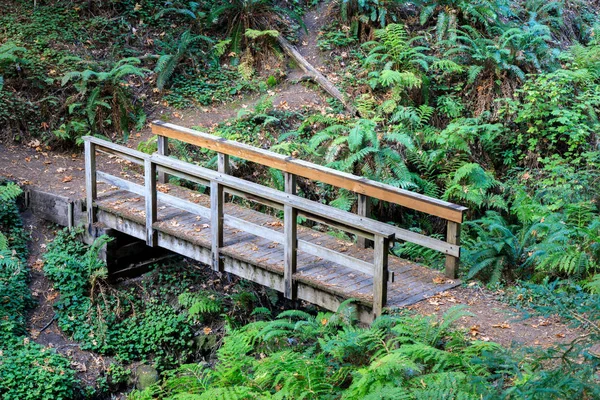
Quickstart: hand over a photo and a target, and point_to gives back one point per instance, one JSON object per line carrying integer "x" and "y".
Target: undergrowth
{"x": 328, "y": 356}
{"x": 28, "y": 370}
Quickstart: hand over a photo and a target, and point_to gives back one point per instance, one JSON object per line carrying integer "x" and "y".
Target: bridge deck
{"x": 412, "y": 283}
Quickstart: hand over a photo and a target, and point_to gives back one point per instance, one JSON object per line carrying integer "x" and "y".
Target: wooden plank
{"x": 405, "y": 198}
{"x": 163, "y": 150}
{"x": 364, "y": 210}
{"x": 117, "y": 149}
{"x": 118, "y": 154}
{"x": 381, "y": 267}
{"x": 151, "y": 206}
{"x": 183, "y": 175}
{"x": 91, "y": 186}
{"x": 453, "y": 237}
{"x": 290, "y": 250}
{"x": 216, "y": 225}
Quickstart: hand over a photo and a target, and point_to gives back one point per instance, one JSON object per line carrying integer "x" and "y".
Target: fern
{"x": 10, "y": 192}
{"x": 201, "y": 304}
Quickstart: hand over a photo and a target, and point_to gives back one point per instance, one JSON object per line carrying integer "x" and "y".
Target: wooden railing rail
{"x": 365, "y": 188}
{"x": 220, "y": 182}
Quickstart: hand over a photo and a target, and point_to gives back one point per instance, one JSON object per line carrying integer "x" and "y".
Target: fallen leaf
{"x": 67, "y": 179}
{"x": 474, "y": 330}
{"x": 163, "y": 188}
{"x": 503, "y": 325}
{"x": 207, "y": 330}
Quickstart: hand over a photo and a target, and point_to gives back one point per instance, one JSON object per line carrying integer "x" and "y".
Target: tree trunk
{"x": 314, "y": 75}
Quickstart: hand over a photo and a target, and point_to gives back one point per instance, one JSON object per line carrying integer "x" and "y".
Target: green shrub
{"x": 28, "y": 371}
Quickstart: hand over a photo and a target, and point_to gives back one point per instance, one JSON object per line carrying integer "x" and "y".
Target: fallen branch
{"x": 313, "y": 74}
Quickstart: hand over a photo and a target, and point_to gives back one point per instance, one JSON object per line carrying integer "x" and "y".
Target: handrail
{"x": 364, "y": 187}
{"x": 415, "y": 201}
{"x": 381, "y": 233}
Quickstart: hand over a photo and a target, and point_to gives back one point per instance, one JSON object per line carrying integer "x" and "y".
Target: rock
{"x": 146, "y": 376}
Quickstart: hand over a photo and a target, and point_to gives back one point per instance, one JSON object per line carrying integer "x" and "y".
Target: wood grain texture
{"x": 360, "y": 185}
{"x": 452, "y": 261}
{"x": 91, "y": 186}
{"x": 162, "y": 149}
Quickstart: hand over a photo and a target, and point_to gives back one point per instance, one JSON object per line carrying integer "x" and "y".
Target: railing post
{"x": 70, "y": 215}
{"x": 224, "y": 167}
{"x": 380, "y": 274}
{"x": 216, "y": 217}
{"x": 290, "y": 228}
{"x": 163, "y": 150}
{"x": 90, "y": 182}
{"x": 364, "y": 210}
{"x": 151, "y": 207}
{"x": 452, "y": 237}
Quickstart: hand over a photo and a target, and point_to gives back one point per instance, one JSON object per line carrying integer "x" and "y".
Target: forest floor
{"x": 63, "y": 173}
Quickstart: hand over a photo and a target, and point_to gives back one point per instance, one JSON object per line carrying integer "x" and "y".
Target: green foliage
{"x": 498, "y": 249}
{"x": 557, "y": 110}
{"x": 558, "y": 297}
{"x": 206, "y": 87}
{"x": 394, "y": 60}
{"x": 114, "y": 322}
{"x": 28, "y": 370}
{"x": 167, "y": 63}
{"x": 238, "y": 16}
{"x": 8, "y": 57}
{"x": 368, "y": 11}
{"x": 200, "y": 304}
{"x": 103, "y": 101}
{"x": 304, "y": 356}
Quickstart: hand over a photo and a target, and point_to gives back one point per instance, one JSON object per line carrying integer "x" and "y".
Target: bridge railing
{"x": 292, "y": 205}
{"x": 364, "y": 188}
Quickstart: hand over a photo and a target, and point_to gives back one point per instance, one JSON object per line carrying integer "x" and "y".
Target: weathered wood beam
{"x": 216, "y": 226}
{"x": 162, "y": 149}
{"x": 452, "y": 261}
{"x": 357, "y": 184}
{"x": 90, "y": 182}
{"x": 150, "y": 199}
{"x": 314, "y": 74}
{"x": 381, "y": 270}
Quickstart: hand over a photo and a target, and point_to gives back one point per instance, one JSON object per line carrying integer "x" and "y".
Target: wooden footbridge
{"x": 225, "y": 230}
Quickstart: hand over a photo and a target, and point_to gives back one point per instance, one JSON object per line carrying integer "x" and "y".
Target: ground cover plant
{"x": 302, "y": 356}
{"x": 27, "y": 370}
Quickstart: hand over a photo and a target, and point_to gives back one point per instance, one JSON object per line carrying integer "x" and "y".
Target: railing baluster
{"x": 380, "y": 274}
{"x": 151, "y": 206}
{"x": 216, "y": 226}
{"x": 452, "y": 237}
{"x": 290, "y": 218}
{"x": 163, "y": 150}
{"x": 224, "y": 167}
{"x": 90, "y": 182}
{"x": 364, "y": 210}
